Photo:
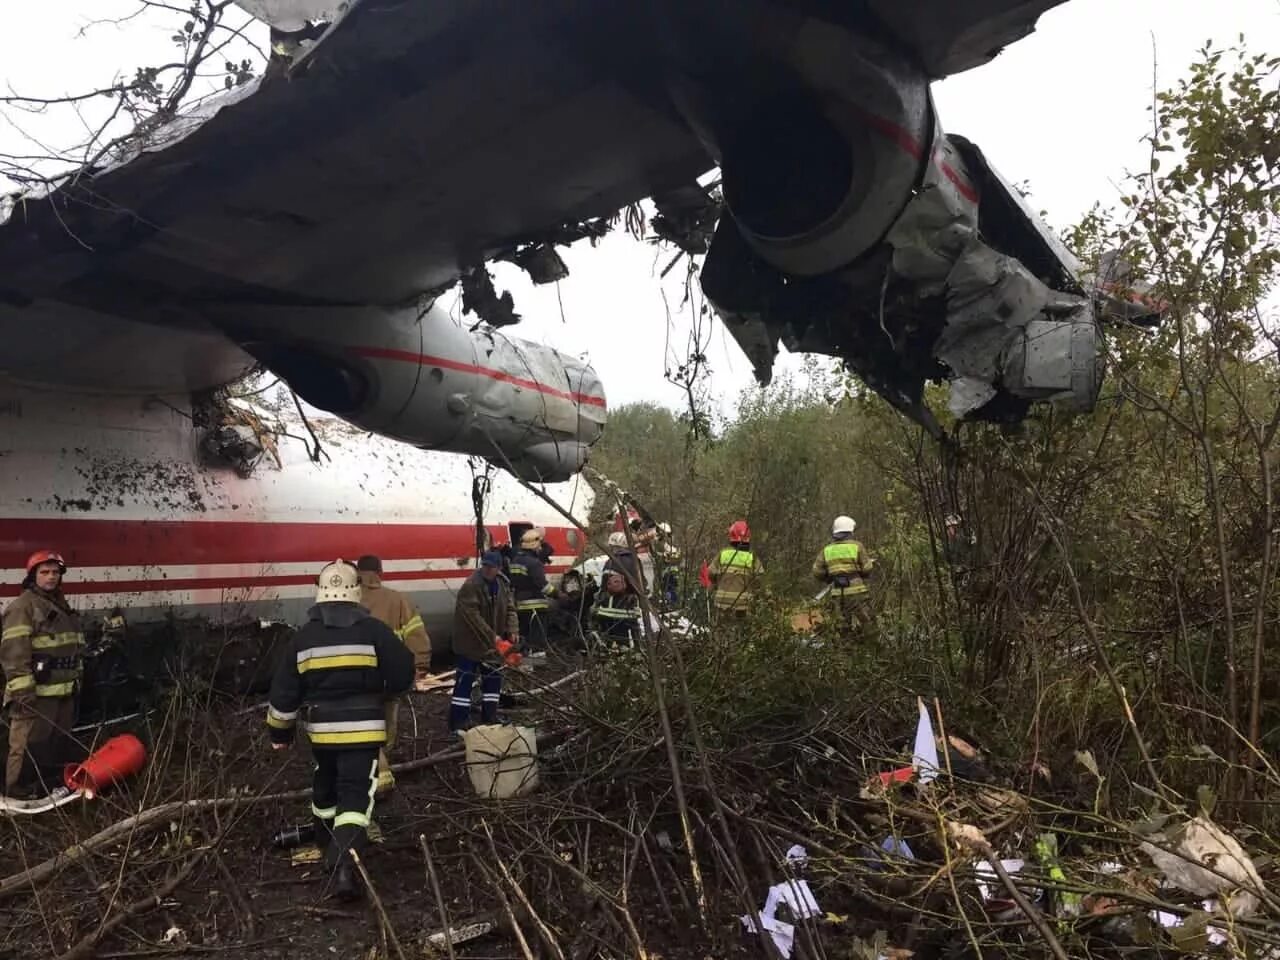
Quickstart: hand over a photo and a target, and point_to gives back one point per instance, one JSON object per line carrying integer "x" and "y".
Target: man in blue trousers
{"x": 485, "y": 634}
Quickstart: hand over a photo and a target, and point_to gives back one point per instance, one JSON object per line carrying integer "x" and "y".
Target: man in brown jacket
{"x": 42, "y": 654}
{"x": 485, "y": 633}
{"x": 396, "y": 612}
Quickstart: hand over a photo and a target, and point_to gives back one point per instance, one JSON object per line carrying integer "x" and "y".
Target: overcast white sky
{"x": 1064, "y": 109}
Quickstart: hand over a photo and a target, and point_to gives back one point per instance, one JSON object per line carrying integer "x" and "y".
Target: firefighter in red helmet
{"x": 42, "y": 655}
{"x": 734, "y": 571}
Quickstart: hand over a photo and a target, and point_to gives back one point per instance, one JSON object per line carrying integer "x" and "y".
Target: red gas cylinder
{"x": 119, "y": 757}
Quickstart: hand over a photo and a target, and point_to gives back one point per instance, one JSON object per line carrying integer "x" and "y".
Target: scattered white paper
{"x": 924, "y": 757}
{"x": 797, "y": 855}
{"x": 799, "y": 900}
{"x": 783, "y": 934}
{"x": 987, "y": 875}
{"x": 1169, "y": 921}
{"x": 796, "y": 895}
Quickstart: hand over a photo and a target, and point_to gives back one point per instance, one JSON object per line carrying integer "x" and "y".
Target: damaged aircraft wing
{"x": 393, "y": 146}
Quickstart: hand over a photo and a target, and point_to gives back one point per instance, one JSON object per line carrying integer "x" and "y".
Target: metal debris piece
{"x": 233, "y": 445}
{"x": 1203, "y": 859}
{"x": 481, "y": 299}
{"x": 540, "y": 261}
{"x": 293, "y": 15}
{"x": 687, "y": 218}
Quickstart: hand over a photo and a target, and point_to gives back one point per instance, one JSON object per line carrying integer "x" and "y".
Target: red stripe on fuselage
{"x": 406, "y": 356}
{"x": 71, "y": 586}
{"x": 908, "y": 144}
{"x": 141, "y": 543}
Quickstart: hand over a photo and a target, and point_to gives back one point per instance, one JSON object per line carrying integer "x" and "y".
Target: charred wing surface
{"x": 417, "y": 375}
{"x": 408, "y": 140}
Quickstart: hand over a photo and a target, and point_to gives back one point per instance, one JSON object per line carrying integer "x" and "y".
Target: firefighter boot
{"x": 347, "y": 839}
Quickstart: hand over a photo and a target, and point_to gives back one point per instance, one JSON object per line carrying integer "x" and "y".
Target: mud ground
{"x": 252, "y": 900}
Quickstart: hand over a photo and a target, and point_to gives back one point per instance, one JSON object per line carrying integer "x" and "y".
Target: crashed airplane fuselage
{"x": 307, "y": 220}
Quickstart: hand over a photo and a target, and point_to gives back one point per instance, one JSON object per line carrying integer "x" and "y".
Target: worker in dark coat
{"x": 616, "y": 615}
{"x": 485, "y": 636}
{"x": 623, "y": 560}
{"x": 335, "y": 676}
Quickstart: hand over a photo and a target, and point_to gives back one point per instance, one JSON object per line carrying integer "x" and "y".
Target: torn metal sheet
{"x": 1198, "y": 856}
{"x": 1125, "y": 296}
{"x": 293, "y": 15}
{"x": 1004, "y": 328}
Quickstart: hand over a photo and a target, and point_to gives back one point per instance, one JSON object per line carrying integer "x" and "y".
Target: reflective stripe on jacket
{"x": 394, "y": 609}
{"x": 334, "y": 676}
{"x": 733, "y": 574}
{"x": 529, "y": 581}
{"x": 618, "y": 606}
{"x": 844, "y": 565}
{"x": 41, "y": 646}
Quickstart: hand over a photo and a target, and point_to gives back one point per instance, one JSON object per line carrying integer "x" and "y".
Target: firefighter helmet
{"x": 531, "y": 539}
{"x": 843, "y": 524}
{"x": 46, "y": 556}
{"x": 617, "y": 539}
{"x": 739, "y": 532}
{"x": 339, "y": 582}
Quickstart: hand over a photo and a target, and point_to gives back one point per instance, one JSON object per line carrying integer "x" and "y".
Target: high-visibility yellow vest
{"x": 844, "y": 565}
{"x": 735, "y": 571}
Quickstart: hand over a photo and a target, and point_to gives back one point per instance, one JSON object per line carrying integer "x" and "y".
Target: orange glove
{"x": 507, "y": 650}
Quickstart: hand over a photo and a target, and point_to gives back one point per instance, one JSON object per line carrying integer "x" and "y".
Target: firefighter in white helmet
{"x": 844, "y": 566}
{"x": 335, "y": 676}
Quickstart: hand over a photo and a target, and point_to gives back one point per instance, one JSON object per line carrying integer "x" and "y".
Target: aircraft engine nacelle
{"x": 855, "y": 227}
{"x": 420, "y": 376}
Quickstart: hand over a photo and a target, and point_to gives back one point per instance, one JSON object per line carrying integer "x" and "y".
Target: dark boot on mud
{"x": 346, "y": 885}
{"x": 345, "y": 881}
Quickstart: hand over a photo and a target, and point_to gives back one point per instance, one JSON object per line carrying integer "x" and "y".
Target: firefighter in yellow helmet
{"x": 844, "y": 566}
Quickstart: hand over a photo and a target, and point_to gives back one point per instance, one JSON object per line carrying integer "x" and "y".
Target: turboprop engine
{"x": 418, "y": 375}
{"x": 855, "y": 227}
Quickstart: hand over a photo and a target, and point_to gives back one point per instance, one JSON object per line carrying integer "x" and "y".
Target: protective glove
{"x": 507, "y": 650}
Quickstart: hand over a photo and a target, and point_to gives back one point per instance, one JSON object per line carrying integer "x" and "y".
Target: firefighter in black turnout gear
{"x": 335, "y": 676}
{"x": 528, "y": 577}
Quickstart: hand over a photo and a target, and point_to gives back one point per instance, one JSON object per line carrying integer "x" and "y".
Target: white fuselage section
{"x": 115, "y": 484}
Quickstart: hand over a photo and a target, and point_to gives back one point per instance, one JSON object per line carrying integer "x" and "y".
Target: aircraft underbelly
{"x": 51, "y": 344}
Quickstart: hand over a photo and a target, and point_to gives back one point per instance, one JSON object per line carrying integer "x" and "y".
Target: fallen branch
{"x": 139, "y": 822}
{"x": 85, "y": 947}
{"x": 972, "y": 838}
{"x": 387, "y": 928}
{"x": 446, "y": 929}
{"x": 548, "y": 938}
{"x": 158, "y": 816}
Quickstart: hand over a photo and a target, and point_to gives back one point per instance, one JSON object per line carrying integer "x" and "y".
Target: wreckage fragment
{"x": 855, "y": 227}
{"x": 1203, "y": 859}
